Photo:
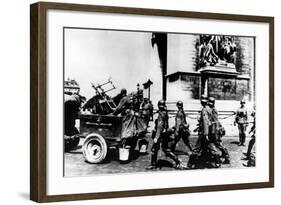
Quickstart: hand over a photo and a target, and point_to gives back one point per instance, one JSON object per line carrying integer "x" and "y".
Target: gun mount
{"x": 101, "y": 103}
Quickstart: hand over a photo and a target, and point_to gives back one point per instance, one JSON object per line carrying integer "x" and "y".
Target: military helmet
{"x": 123, "y": 91}
{"x": 204, "y": 98}
{"x": 180, "y": 103}
{"x": 211, "y": 101}
{"x": 161, "y": 103}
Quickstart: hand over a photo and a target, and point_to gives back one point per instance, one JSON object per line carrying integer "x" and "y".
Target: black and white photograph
{"x": 147, "y": 101}
{"x": 130, "y": 102}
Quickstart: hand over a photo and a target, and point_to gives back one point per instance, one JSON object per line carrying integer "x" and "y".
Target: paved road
{"x": 75, "y": 164}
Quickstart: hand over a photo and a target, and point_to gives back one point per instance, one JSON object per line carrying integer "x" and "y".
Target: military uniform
{"x": 205, "y": 151}
{"x": 146, "y": 112}
{"x": 150, "y": 110}
{"x": 219, "y": 132}
{"x": 162, "y": 138}
{"x": 242, "y": 119}
{"x": 133, "y": 125}
{"x": 119, "y": 96}
{"x": 125, "y": 104}
{"x": 203, "y": 131}
{"x": 249, "y": 156}
{"x": 71, "y": 109}
{"x": 182, "y": 129}
{"x": 253, "y": 138}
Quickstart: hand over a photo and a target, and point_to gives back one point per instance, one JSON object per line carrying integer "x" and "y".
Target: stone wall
{"x": 181, "y": 53}
{"x": 182, "y": 58}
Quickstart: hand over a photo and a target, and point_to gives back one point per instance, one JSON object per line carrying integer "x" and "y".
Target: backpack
{"x": 216, "y": 127}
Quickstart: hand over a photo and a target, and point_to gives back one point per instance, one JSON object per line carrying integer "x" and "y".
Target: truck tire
{"x": 94, "y": 148}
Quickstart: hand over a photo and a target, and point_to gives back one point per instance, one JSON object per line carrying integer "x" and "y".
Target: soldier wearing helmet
{"x": 118, "y": 98}
{"x": 125, "y": 104}
{"x": 211, "y": 102}
{"x": 204, "y": 100}
{"x": 217, "y": 131}
{"x": 181, "y": 127}
{"x": 162, "y": 136}
{"x": 241, "y": 119}
{"x": 204, "y": 122}
{"x": 205, "y": 150}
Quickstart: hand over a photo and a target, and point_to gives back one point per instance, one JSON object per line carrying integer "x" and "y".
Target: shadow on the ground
{"x": 164, "y": 163}
{"x": 113, "y": 155}
{"x": 78, "y": 147}
{"x": 74, "y": 152}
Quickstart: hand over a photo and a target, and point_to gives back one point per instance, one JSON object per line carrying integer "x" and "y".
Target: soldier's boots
{"x": 189, "y": 147}
{"x": 151, "y": 167}
{"x": 225, "y": 155}
{"x": 226, "y": 161}
{"x": 180, "y": 166}
{"x": 250, "y": 163}
{"x": 193, "y": 159}
{"x": 247, "y": 155}
{"x": 242, "y": 139}
{"x": 153, "y": 162}
{"x": 171, "y": 155}
{"x": 216, "y": 162}
{"x": 250, "y": 147}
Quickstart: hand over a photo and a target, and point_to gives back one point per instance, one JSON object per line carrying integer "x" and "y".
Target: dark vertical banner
{"x": 160, "y": 39}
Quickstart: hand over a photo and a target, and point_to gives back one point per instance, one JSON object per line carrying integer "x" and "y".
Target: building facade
{"x": 217, "y": 66}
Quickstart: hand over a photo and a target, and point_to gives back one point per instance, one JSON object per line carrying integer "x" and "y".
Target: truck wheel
{"x": 94, "y": 148}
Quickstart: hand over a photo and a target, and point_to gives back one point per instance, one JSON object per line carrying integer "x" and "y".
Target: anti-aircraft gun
{"x": 100, "y": 129}
{"x": 101, "y": 103}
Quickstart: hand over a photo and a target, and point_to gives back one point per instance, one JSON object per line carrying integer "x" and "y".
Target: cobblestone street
{"x": 75, "y": 164}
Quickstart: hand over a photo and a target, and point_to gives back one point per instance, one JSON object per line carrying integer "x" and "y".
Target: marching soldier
{"x": 253, "y": 138}
{"x": 217, "y": 130}
{"x": 241, "y": 120}
{"x": 206, "y": 150}
{"x": 249, "y": 156}
{"x": 162, "y": 136}
{"x": 204, "y": 122}
{"x": 181, "y": 127}
{"x": 203, "y": 131}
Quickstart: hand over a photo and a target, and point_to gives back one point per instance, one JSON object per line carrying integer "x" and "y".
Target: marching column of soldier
{"x": 208, "y": 151}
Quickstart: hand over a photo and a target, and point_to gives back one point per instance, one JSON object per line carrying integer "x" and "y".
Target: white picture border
{"x": 57, "y": 184}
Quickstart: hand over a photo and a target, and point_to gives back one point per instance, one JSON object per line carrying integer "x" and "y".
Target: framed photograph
{"x": 136, "y": 102}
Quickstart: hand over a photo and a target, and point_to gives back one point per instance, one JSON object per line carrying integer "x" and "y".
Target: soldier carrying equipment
{"x": 181, "y": 127}
{"x": 249, "y": 156}
{"x": 217, "y": 131}
{"x": 205, "y": 151}
{"x": 163, "y": 137}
